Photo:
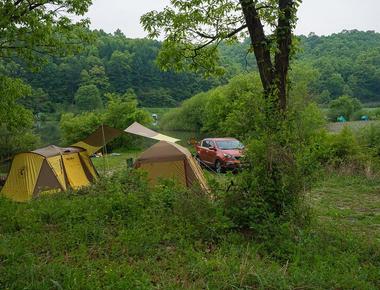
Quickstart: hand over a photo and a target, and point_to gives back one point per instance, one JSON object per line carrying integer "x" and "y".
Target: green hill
{"x": 346, "y": 62}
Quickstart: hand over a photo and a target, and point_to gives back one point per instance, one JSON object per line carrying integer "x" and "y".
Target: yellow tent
{"x": 48, "y": 169}
{"x": 171, "y": 161}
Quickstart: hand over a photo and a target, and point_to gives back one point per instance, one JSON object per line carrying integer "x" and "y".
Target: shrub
{"x": 121, "y": 111}
{"x": 189, "y": 117}
{"x": 369, "y": 139}
{"x": 375, "y": 114}
{"x": 344, "y": 106}
{"x": 282, "y": 162}
{"x": 351, "y": 152}
{"x": 218, "y": 110}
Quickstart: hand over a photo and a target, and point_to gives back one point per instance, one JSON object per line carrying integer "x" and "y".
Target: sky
{"x": 322, "y": 17}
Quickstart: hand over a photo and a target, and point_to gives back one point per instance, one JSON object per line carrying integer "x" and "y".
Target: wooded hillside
{"x": 344, "y": 63}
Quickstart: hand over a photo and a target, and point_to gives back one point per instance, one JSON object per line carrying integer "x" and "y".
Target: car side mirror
{"x": 212, "y": 148}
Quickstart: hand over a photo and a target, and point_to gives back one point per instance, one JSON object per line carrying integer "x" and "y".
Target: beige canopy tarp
{"x": 98, "y": 139}
{"x": 105, "y": 134}
{"x": 166, "y": 160}
{"x": 143, "y": 131}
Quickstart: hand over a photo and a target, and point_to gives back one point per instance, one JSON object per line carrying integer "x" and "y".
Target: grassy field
{"x": 119, "y": 235}
{"x": 354, "y": 125}
{"x": 350, "y": 202}
{"x": 113, "y": 162}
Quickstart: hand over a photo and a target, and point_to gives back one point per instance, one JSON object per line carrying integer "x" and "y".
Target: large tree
{"x": 29, "y": 31}
{"x": 33, "y": 28}
{"x": 193, "y": 29}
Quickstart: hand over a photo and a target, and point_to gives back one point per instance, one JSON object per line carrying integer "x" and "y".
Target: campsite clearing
{"x": 113, "y": 162}
{"x": 108, "y": 239}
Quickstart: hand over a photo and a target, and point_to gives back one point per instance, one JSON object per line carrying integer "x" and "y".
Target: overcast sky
{"x": 320, "y": 16}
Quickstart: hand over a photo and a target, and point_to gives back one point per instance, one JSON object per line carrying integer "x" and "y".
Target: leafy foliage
{"x": 114, "y": 64}
{"x": 120, "y": 112}
{"x": 16, "y": 122}
{"x": 345, "y": 106}
{"x": 87, "y": 98}
{"x": 32, "y": 29}
{"x": 347, "y": 63}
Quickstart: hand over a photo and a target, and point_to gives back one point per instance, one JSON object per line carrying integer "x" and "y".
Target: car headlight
{"x": 229, "y": 156}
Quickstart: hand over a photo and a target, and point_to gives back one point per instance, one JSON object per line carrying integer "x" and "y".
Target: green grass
{"x": 111, "y": 163}
{"x": 119, "y": 234}
{"x": 353, "y": 125}
{"x": 350, "y": 202}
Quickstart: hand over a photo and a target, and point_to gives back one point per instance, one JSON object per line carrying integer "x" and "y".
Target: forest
{"x": 345, "y": 63}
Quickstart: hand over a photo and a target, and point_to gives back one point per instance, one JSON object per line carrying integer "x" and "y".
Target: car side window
{"x": 205, "y": 144}
{"x": 211, "y": 144}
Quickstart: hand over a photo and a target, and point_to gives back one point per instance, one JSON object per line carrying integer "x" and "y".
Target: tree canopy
{"x": 194, "y": 29}
{"x": 31, "y": 29}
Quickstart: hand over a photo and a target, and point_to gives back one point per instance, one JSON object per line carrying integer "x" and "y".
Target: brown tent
{"x": 48, "y": 169}
{"x": 171, "y": 161}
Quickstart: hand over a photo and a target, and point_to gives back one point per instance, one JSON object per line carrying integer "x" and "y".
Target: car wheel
{"x": 218, "y": 167}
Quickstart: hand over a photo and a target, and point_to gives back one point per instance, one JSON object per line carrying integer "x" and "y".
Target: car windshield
{"x": 229, "y": 144}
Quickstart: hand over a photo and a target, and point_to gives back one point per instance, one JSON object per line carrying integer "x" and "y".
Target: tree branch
{"x": 218, "y": 36}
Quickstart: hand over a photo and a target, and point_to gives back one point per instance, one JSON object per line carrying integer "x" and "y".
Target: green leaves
{"x": 193, "y": 30}
{"x": 344, "y": 106}
{"x": 16, "y": 122}
{"x": 12, "y": 114}
{"x": 88, "y": 98}
{"x": 33, "y": 29}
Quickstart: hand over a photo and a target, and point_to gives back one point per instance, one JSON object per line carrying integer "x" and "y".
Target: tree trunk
{"x": 260, "y": 45}
{"x": 284, "y": 42}
{"x": 273, "y": 77}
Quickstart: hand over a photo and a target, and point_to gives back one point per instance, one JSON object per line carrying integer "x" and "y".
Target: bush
{"x": 189, "y": 117}
{"x": 351, "y": 152}
{"x": 345, "y": 106}
{"x": 121, "y": 111}
{"x": 77, "y": 127}
{"x": 370, "y": 138}
{"x": 282, "y": 162}
{"x": 208, "y": 112}
{"x": 374, "y": 114}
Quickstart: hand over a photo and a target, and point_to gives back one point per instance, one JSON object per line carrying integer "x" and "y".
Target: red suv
{"x": 219, "y": 153}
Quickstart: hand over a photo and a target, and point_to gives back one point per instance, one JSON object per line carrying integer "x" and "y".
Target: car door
{"x": 205, "y": 155}
{"x": 212, "y": 152}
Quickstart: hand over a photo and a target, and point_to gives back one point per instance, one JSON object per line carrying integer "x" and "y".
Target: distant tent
{"x": 341, "y": 119}
{"x": 48, "y": 169}
{"x": 98, "y": 139}
{"x": 171, "y": 161}
{"x": 143, "y": 131}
